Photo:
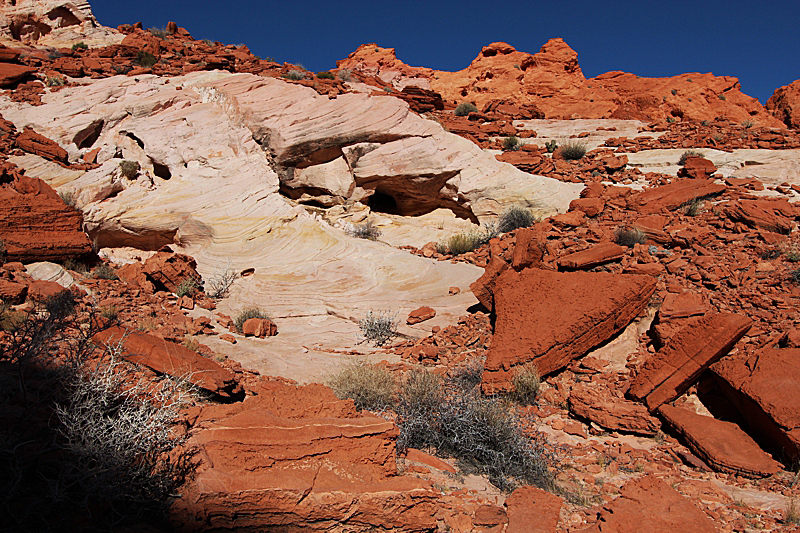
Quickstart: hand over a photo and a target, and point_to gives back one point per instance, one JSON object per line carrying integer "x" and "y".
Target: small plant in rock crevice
{"x": 366, "y": 230}
{"x": 104, "y": 271}
{"x": 187, "y": 287}
{"x": 68, "y": 196}
{"x": 515, "y": 217}
{"x": 221, "y": 282}
{"x": 573, "y": 150}
{"x": 511, "y": 144}
{"x": 245, "y": 315}
{"x": 551, "y": 146}
{"x": 146, "y": 59}
{"x": 629, "y": 236}
{"x": 687, "y": 154}
{"x": 295, "y": 75}
{"x": 129, "y": 169}
{"x": 526, "y": 382}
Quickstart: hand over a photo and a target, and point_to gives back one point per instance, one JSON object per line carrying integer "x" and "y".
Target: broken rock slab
{"x": 532, "y": 510}
{"x": 550, "y": 318}
{"x": 598, "y": 405}
{"x": 592, "y": 257}
{"x": 764, "y": 389}
{"x": 671, "y": 196}
{"x": 673, "y": 369}
{"x": 722, "y": 445}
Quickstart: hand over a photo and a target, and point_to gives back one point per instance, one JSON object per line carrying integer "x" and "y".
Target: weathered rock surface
{"x": 672, "y": 196}
{"x": 674, "y": 368}
{"x": 763, "y": 388}
{"x": 164, "y": 271}
{"x": 10, "y": 73}
{"x": 771, "y": 215}
{"x": 298, "y": 459}
{"x": 420, "y": 315}
{"x": 166, "y": 357}
{"x": 722, "y": 445}
{"x": 591, "y": 257}
{"x": 259, "y": 327}
{"x": 35, "y": 224}
{"x": 550, "y": 318}
{"x": 532, "y": 510}
{"x": 649, "y": 504}
{"x": 784, "y": 104}
{"x": 697, "y": 167}
{"x": 611, "y": 412}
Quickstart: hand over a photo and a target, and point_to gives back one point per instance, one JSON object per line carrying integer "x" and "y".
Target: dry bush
{"x": 129, "y": 169}
{"x": 220, "y": 283}
{"x": 245, "y": 315}
{"x": 526, "y": 383}
{"x": 371, "y": 387}
{"x": 378, "y": 327}
{"x": 366, "y": 230}
{"x": 465, "y": 108}
{"x": 515, "y": 217}
{"x": 573, "y": 150}
{"x": 187, "y": 287}
{"x": 687, "y": 154}
{"x": 104, "y": 271}
{"x": 629, "y": 236}
{"x": 68, "y": 196}
{"x": 511, "y": 144}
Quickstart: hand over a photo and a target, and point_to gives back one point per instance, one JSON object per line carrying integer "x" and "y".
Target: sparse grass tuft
{"x": 104, "y": 271}
{"x": 129, "y": 169}
{"x": 378, "y": 327}
{"x": 80, "y": 46}
{"x": 294, "y": 75}
{"x": 366, "y": 230}
{"x": 371, "y": 387}
{"x": 146, "y": 59}
{"x": 694, "y": 207}
{"x": 465, "y": 108}
{"x": 792, "y": 513}
{"x": 511, "y": 144}
{"x": 161, "y": 33}
{"x": 187, "y": 287}
{"x": 68, "y": 196}
{"x": 687, "y": 154}
{"x": 794, "y": 275}
{"x": 629, "y": 236}
{"x": 344, "y": 74}
{"x": 246, "y": 314}
{"x": 515, "y": 217}
{"x": 464, "y": 242}
{"x": 526, "y": 383}
{"x": 747, "y": 124}
{"x": 573, "y": 150}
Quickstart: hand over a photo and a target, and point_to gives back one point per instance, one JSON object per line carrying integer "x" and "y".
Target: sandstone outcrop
{"x": 784, "y": 104}
{"x": 532, "y": 510}
{"x": 673, "y": 369}
{"x": 53, "y": 23}
{"x": 550, "y": 318}
{"x": 671, "y": 196}
{"x": 164, "y": 271}
{"x": 611, "y": 412}
{"x": 296, "y": 458}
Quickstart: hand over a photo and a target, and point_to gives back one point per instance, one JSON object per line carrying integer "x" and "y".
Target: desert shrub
{"x": 295, "y": 75}
{"x": 104, "y": 271}
{"x": 511, "y": 143}
{"x": 220, "y": 283}
{"x": 687, "y": 154}
{"x": 378, "y": 327}
{"x": 747, "y": 124}
{"x": 485, "y": 435}
{"x": 10, "y": 320}
{"x": 573, "y": 150}
{"x": 721, "y": 97}
{"x": 794, "y": 275}
{"x": 129, "y": 169}
{"x": 55, "y": 81}
{"x": 191, "y": 344}
{"x": 344, "y": 74}
{"x": 792, "y": 513}
{"x": 325, "y": 75}
{"x": 54, "y": 54}
{"x": 465, "y": 108}
{"x": 366, "y": 230}
{"x": 145, "y": 59}
{"x": 80, "y": 46}
{"x": 674, "y": 92}
{"x": 629, "y": 236}
{"x": 515, "y": 217}
{"x": 68, "y": 196}
{"x": 187, "y": 287}
{"x": 526, "y": 383}
{"x": 161, "y": 33}
{"x": 670, "y": 120}
{"x": 694, "y": 207}
{"x": 464, "y": 242}
{"x": 551, "y": 146}
{"x": 246, "y": 314}
{"x": 371, "y": 387}
{"x": 110, "y": 312}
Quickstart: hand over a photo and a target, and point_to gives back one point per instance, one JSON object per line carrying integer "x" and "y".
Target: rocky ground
{"x": 163, "y": 185}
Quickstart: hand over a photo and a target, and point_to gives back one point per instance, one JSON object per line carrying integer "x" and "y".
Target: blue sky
{"x": 758, "y": 42}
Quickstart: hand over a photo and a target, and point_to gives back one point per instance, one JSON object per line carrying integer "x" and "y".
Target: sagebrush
{"x": 378, "y": 327}
{"x": 465, "y": 108}
{"x": 626, "y": 236}
{"x": 515, "y": 217}
{"x": 371, "y": 387}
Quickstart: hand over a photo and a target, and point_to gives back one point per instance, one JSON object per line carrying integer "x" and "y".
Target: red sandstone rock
{"x": 675, "y": 313}
{"x": 649, "y": 504}
{"x": 722, "y": 445}
{"x": 764, "y": 214}
{"x": 529, "y": 248}
{"x": 764, "y": 389}
{"x": 550, "y": 318}
{"x": 784, "y": 104}
{"x": 259, "y": 327}
{"x": 12, "y": 293}
{"x": 532, "y": 510}
{"x": 419, "y": 456}
{"x": 489, "y": 516}
{"x": 35, "y": 224}
{"x": 420, "y": 315}
{"x": 674, "y": 368}
{"x": 616, "y": 414}
{"x": 10, "y": 73}
{"x": 164, "y": 271}
{"x": 483, "y": 288}
{"x": 591, "y": 257}
{"x": 697, "y": 167}
{"x": 672, "y": 196}
{"x": 41, "y": 290}
{"x": 296, "y": 458}
{"x": 32, "y": 142}
{"x": 227, "y": 337}
{"x": 170, "y": 358}
{"x": 590, "y": 206}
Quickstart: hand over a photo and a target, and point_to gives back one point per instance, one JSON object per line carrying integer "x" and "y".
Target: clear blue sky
{"x": 758, "y": 42}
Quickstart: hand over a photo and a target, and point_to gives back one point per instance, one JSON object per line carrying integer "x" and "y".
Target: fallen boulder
{"x": 164, "y": 271}
{"x": 673, "y": 195}
{"x": 420, "y": 315}
{"x": 722, "y": 445}
{"x": 673, "y": 369}
{"x": 592, "y": 257}
{"x": 598, "y": 405}
{"x": 761, "y": 214}
{"x": 550, "y": 318}
{"x": 697, "y": 167}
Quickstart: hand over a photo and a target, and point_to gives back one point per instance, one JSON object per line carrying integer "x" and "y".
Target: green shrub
{"x": 629, "y": 236}
{"x": 370, "y": 387}
{"x": 747, "y": 124}
{"x": 671, "y": 120}
{"x": 68, "y": 196}
{"x": 80, "y": 46}
{"x": 366, "y": 230}
{"x": 511, "y": 144}
{"x": 55, "y": 81}
{"x": 573, "y": 150}
{"x": 295, "y": 75}
{"x": 145, "y": 59}
{"x": 378, "y": 327}
{"x": 246, "y": 314}
{"x": 325, "y": 75}
{"x": 721, "y": 97}
{"x": 129, "y": 169}
{"x": 687, "y": 154}
{"x": 551, "y": 146}
{"x": 515, "y": 217}
{"x": 465, "y": 108}
{"x": 526, "y": 383}
{"x": 794, "y": 275}
{"x": 187, "y": 287}
{"x": 674, "y": 92}
{"x": 104, "y": 271}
